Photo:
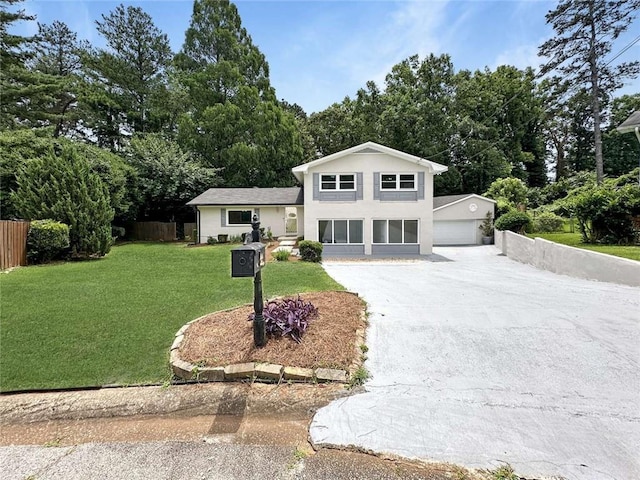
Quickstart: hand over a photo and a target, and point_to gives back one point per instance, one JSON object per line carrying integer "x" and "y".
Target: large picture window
{"x": 342, "y": 182}
{"x": 340, "y": 231}
{"x": 239, "y": 217}
{"x": 395, "y": 231}
{"x": 398, "y": 181}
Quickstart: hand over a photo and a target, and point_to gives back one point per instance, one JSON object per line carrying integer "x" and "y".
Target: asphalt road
{"x": 478, "y": 360}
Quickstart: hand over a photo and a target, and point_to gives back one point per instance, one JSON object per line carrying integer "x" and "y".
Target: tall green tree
{"x": 218, "y": 55}
{"x": 585, "y": 32}
{"x": 63, "y": 188}
{"x": 234, "y": 121}
{"x": 58, "y": 54}
{"x": 417, "y": 117}
{"x": 166, "y": 178}
{"x": 129, "y": 77}
{"x": 25, "y": 94}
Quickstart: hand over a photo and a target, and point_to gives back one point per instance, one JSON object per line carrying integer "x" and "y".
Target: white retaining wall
{"x": 566, "y": 260}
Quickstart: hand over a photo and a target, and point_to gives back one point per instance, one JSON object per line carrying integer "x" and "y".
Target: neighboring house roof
{"x": 631, "y": 123}
{"x": 447, "y": 200}
{"x": 250, "y": 196}
{"x": 368, "y": 147}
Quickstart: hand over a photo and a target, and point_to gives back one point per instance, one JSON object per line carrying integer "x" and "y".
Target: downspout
{"x": 196, "y": 241}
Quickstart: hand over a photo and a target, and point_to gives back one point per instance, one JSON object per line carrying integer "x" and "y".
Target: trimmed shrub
{"x": 281, "y": 255}
{"x": 47, "y": 240}
{"x": 547, "y": 222}
{"x": 514, "y": 221}
{"x": 310, "y": 251}
{"x": 212, "y": 240}
{"x": 288, "y": 317}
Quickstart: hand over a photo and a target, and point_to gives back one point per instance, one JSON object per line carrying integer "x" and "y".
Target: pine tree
{"x": 234, "y": 121}
{"x": 129, "y": 77}
{"x": 58, "y": 54}
{"x": 25, "y": 93}
{"x": 585, "y": 31}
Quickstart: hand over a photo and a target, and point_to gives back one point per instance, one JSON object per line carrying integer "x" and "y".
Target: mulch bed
{"x": 225, "y": 338}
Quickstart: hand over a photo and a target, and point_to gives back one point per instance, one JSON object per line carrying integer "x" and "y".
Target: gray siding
{"x": 396, "y": 196}
{"x": 382, "y": 249}
{"x": 329, "y": 249}
{"x": 337, "y": 196}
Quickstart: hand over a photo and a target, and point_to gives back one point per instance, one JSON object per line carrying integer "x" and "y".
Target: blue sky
{"x": 320, "y": 51}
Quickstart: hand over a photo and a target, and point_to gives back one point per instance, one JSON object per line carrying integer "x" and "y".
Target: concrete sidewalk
{"x": 482, "y": 360}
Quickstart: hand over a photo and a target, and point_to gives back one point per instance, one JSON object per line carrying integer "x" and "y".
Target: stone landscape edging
{"x": 261, "y": 371}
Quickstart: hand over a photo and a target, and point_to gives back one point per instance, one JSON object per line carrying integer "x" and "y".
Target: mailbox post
{"x": 247, "y": 261}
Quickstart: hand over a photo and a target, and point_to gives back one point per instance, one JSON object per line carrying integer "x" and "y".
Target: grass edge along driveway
{"x": 632, "y": 252}
{"x": 112, "y": 321}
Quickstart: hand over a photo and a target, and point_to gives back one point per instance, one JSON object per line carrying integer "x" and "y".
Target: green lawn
{"x": 575, "y": 240}
{"x": 112, "y": 321}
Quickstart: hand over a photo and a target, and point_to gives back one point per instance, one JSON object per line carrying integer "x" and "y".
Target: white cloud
{"x": 521, "y": 57}
{"x": 410, "y": 28}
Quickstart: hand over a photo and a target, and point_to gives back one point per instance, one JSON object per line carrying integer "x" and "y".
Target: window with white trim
{"x": 398, "y": 181}
{"x": 239, "y": 217}
{"x": 342, "y": 182}
{"x": 340, "y": 231}
{"x": 395, "y": 231}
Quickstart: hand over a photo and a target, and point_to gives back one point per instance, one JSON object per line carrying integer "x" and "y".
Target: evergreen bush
{"x": 63, "y": 188}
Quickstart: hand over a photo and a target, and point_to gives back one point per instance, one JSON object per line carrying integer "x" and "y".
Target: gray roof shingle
{"x": 447, "y": 199}
{"x": 250, "y": 196}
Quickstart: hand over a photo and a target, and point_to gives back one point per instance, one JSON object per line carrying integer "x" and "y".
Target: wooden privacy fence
{"x": 188, "y": 229}
{"x": 13, "y": 243}
{"x": 156, "y": 231}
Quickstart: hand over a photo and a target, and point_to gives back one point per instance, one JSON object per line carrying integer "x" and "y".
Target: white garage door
{"x": 454, "y": 232}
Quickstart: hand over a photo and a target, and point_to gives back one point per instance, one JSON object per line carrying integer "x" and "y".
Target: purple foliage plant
{"x": 289, "y": 316}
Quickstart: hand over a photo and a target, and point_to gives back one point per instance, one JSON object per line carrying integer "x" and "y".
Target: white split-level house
{"x": 367, "y": 200}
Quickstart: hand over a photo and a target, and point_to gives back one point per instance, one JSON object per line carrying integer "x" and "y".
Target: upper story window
{"x": 398, "y": 181}
{"x": 342, "y": 182}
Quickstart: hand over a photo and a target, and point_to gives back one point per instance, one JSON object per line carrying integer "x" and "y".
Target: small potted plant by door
{"x": 486, "y": 227}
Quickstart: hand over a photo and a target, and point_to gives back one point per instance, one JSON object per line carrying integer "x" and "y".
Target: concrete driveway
{"x": 481, "y": 360}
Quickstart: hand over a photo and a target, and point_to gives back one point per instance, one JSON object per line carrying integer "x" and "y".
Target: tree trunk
{"x": 595, "y": 98}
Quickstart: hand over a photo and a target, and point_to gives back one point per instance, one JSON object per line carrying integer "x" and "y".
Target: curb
{"x": 192, "y": 399}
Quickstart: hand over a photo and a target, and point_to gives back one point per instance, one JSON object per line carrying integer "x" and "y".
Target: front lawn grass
{"x": 575, "y": 240}
{"x": 112, "y": 321}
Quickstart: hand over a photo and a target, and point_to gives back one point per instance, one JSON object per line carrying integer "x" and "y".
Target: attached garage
{"x": 457, "y": 218}
{"x": 454, "y": 232}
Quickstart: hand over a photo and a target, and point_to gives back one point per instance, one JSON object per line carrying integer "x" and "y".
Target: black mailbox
{"x": 246, "y": 260}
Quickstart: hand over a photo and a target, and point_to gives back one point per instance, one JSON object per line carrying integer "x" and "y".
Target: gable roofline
{"x": 434, "y": 167}
{"x": 466, "y": 197}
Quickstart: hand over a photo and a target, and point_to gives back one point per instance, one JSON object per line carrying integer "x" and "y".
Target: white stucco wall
{"x": 211, "y": 225}
{"x": 369, "y": 209}
{"x": 567, "y": 260}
